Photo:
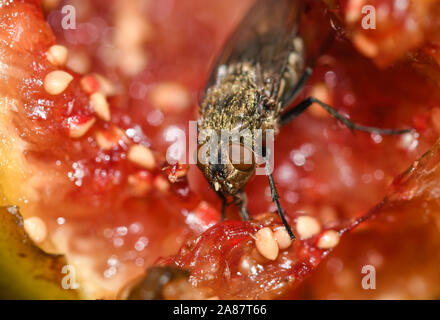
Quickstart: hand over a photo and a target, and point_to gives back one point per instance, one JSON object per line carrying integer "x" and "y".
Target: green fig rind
{"x": 26, "y": 271}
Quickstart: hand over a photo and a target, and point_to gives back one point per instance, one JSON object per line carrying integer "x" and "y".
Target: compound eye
{"x": 241, "y": 157}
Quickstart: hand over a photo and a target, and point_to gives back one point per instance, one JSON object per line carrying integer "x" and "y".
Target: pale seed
{"x": 266, "y": 244}
{"x": 57, "y": 55}
{"x": 141, "y": 156}
{"x": 307, "y": 227}
{"x": 328, "y": 240}
{"x": 79, "y": 130}
{"x": 282, "y": 237}
{"x": 100, "y": 106}
{"x": 57, "y": 81}
{"x": 36, "y": 229}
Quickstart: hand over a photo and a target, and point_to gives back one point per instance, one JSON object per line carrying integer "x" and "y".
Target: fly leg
{"x": 289, "y": 95}
{"x": 241, "y": 202}
{"x": 276, "y": 199}
{"x": 303, "y": 105}
{"x": 224, "y": 205}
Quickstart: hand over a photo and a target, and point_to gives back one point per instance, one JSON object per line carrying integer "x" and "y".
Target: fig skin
{"x": 27, "y": 272}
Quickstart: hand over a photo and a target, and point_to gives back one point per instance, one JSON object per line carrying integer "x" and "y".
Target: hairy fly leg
{"x": 241, "y": 202}
{"x": 290, "y": 94}
{"x": 276, "y": 199}
{"x": 224, "y": 205}
{"x": 303, "y": 105}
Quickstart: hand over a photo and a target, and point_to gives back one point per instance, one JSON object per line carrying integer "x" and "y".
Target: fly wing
{"x": 264, "y": 38}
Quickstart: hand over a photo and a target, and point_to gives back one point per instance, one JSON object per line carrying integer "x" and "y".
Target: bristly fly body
{"x": 258, "y": 74}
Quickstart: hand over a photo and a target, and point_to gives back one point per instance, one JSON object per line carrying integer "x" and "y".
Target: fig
{"x": 89, "y": 115}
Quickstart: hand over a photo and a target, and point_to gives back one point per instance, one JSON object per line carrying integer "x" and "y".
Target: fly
{"x": 257, "y": 76}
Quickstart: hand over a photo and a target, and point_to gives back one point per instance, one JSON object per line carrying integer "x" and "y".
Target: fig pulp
{"x": 90, "y": 161}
